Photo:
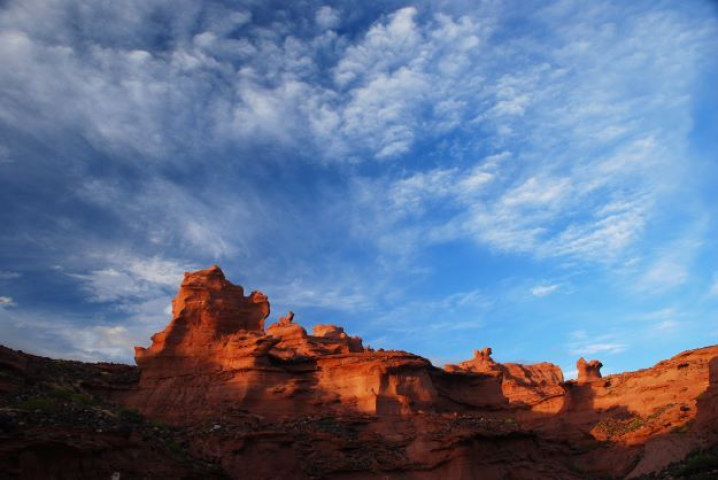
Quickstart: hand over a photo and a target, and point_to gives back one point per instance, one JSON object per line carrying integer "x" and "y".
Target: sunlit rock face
{"x": 215, "y": 356}
{"x": 536, "y": 387}
{"x": 588, "y": 371}
{"x": 214, "y": 327}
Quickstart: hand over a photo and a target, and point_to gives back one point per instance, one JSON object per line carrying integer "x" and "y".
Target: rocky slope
{"x": 218, "y": 394}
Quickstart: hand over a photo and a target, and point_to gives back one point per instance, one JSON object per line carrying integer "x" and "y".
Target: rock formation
{"x": 481, "y": 363}
{"x": 534, "y": 387}
{"x": 588, "y": 371}
{"x": 250, "y": 402}
{"x": 215, "y": 357}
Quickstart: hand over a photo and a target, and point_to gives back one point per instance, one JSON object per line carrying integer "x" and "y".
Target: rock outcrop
{"x": 215, "y": 357}
{"x": 536, "y": 387}
{"x": 588, "y": 371}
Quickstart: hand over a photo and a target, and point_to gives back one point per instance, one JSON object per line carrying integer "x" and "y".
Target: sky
{"x": 435, "y": 176}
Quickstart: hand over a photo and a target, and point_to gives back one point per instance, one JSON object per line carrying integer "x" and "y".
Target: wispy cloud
{"x": 664, "y": 274}
{"x": 713, "y": 290}
{"x": 583, "y": 344}
{"x": 7, "y": 302}
{"x": 9, "y": 275}
{"x": 544, "y": 290}
{"x": 670, "y": 266}
{"x": 131, "y": 278}
{"x": 594, "y": 348}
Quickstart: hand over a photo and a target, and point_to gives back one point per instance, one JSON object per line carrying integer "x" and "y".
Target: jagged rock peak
{"x": 287, "y": 320}
{"x": 207, "y": 307}
{"x": 588, "y": 371}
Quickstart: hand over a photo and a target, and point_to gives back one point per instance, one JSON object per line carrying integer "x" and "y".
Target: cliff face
{"x": 273, "y": 402}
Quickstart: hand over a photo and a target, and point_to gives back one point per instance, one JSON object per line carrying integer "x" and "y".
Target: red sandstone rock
{"x": 588, "y": 371}
{"x": 286, "y": 320}
{"x": 537, "y": 387}
{"x": 334, "y": 333}
{"x": 209, "y": 315}
{"x": 481, "y": 363}
{"x": 214, "y": 357}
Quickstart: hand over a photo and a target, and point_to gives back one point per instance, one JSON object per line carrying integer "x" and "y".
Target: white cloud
{"x": 582, "y": 343}
{"x": 83, "y": 339}
{"x": 327, "y": 17}
{"x": 544, "y": 290}
{"x": 217, "y": 85}
{"x": 138, "y": 288}
{"x": 409, "y": 195}
{"x": 331, "y": 295}
{"x": 669, "y": 266}
{"x": 667, "y": 326}
{"x": 713, "y": 290}
{"x": 201, "y": 221}
{"x": 665, "y": 274}
{"x": 386, "y": 46}
{"x": 436, "y": 316}
{"x": 132, "y": 278}
{"x": 9, "y": 275}
{"x": 588, "y": 175}
{"x": 537, "y": 193}
{"x": 7, "y": 302}
{"x": 594, "y": 348}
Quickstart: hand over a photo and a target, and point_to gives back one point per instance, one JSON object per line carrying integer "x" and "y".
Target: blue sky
{"x": 538, "y": 177}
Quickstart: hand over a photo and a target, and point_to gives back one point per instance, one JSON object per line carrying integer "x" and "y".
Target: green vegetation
{"x": 82, "y": 398}
{"x": 174, "y": 446}
{"x": 510, "y": 421}
{"x": 613, "y": 427}
{"x": 699, "y": 463}
{"x": 6, "y": 374}
{"x": 42, "y": 404}
{"x": 660, "y": 411}
{"x": 157, "y": 424}
{"x": 130, "y": 416}
{"x": 55, "y": 399}
{"x": 685, "y": 428}
{"x": 635, "y": 424}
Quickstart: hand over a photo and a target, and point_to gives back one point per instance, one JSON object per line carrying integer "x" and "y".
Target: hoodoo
{"x": 588, "y": 371}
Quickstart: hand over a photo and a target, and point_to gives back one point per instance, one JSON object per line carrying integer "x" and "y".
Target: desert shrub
{"x": 82, "y": 398}
{"x": 685, "y": 428}
{"x": 699, "y": 463}
{"x": 130, "y": 416}
{"x": 174, "y": 446}
{"x": 157, "y": 423}
{"x": 42, "y": 404}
